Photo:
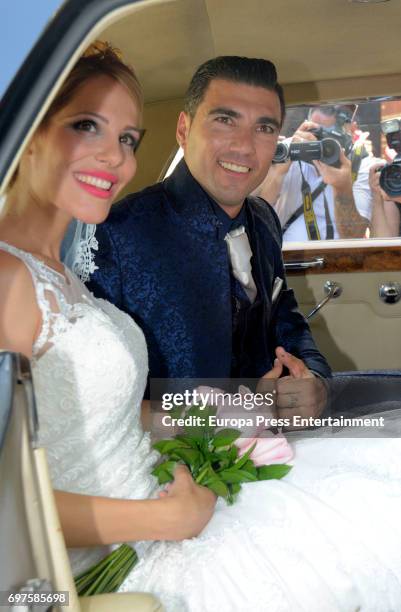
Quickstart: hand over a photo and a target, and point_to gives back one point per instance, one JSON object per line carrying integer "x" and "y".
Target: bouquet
{"x": 220, "y": 460}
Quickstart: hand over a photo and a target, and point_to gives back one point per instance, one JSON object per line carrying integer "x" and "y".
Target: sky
{"x": 21, "y": 23}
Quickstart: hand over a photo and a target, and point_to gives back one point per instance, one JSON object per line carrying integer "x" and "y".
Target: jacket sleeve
{"x": 106, "y": 281}
{"x": 289, "y": 327}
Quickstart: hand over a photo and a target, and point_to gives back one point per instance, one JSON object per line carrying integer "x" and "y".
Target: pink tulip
{"x": 269, "y": 449}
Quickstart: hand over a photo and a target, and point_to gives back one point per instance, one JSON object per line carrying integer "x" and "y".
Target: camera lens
{"x": 331, "y": 151}
{"x": 390, "y": 179}
{"x": 281, "y": 154}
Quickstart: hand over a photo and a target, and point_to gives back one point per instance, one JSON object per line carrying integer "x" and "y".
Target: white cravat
{"x": 240, "y": 254}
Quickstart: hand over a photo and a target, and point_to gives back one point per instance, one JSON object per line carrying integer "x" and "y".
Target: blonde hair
{"x": 100, "y": 58}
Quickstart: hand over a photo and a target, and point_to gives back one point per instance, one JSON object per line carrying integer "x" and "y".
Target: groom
{"x": 196, "y": 261}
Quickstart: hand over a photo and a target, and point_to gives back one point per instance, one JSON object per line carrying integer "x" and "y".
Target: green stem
{"x": 107, "y": 575}
{"x": 201, "y": 474}
{"x": 123, "y": 573}
{"x": 101, "y": 584}
{"x": 94, "y": 569}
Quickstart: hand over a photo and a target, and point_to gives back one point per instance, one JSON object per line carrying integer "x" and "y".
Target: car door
{"x": 358, "y": 329}
{"x": 350, "y": 288}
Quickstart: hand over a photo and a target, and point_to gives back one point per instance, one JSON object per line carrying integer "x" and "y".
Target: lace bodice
{"x": 89, "y": 368}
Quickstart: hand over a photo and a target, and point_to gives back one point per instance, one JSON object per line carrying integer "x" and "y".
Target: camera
{"x": 390, "y": 175}
{"x": 343, "y": 139}
{"x": 390, "y": 178}
{"x": 326, "y": 150}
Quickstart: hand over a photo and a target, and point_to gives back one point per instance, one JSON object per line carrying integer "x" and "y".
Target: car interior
{"x": 328, "y": 53}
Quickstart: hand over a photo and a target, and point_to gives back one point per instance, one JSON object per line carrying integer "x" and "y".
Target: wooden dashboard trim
{"x": 347, "y": 260}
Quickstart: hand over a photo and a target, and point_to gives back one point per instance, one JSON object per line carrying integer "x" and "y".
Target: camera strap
{"x": 358, "y": 152}
{"x": 299, "y": 211}
{"x": 307, "y": 205}
{"x": 329, "y": 223}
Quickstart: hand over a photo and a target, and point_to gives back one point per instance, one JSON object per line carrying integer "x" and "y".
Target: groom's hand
{"x": 301, "y": 393}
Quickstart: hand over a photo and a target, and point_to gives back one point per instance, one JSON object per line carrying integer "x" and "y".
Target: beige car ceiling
{"x": 323, "y": 49}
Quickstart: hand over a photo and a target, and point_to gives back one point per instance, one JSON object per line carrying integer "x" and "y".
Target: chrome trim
{"x": 318, "y": 262}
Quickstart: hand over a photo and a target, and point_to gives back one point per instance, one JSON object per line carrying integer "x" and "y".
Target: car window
{"x": 336, "y": 174}
{"x": 14, "y": 48}
{"x": 357, "y": 196}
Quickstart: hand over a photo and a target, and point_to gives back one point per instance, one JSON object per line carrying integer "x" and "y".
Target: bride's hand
{"x": 189, "y": 506}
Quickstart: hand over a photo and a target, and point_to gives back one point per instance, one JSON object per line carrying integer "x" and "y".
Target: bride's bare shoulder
{"x": 14, "y": 274}
{"x": 20, "y": 317}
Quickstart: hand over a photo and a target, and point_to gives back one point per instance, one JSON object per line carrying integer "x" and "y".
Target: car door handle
{"x": 332, "y": 290}
{"x": 317, "y": 262}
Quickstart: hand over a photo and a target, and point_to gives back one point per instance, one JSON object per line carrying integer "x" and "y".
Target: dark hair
{"x": 247, "y": 70}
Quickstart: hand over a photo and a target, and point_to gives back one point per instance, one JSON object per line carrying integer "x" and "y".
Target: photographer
{"x": 315, "y": 200}
{"x": 386, "y": 213}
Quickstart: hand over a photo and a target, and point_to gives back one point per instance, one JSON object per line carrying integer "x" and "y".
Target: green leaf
{"x": 176, "y": 412}
{"x": 166, "y": 446}
{"x": 213, "y": 457}
{"x": 165, "y": 465}
{"x": 210, "y": 471}
{"x": 233, "y": 453}
{"x": 204, "y": 446}
{"x": 164, "y": 472}
{"x": 275, "y": 471}
{"x": 234, "y": 489}
{"x": 249, "y": 466}
{"x": 222, "y": 451}
{"x": 163, "y": 477}
{"x": 196, "y": 410}
{"x": 189, "y": 455}
{"x": 238, "y": 464}
{"x": 237, "y": 476}
{"x": 247, "y": 476}
{"x": 217, "y": 486}
{"x": 189, "y": 442}
{"x": 225, "y": 437}
{"x": 231, "y": 476}
{"x": 202, "y": 431}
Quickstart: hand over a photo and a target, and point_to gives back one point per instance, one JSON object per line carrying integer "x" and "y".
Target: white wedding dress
{"x": 326, "y": 538}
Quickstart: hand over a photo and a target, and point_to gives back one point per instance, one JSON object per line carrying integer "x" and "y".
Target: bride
{"x": 326, "y": 538}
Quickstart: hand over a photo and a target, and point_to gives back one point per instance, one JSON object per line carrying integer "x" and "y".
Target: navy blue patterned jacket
{"x": 162, "y": 261}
